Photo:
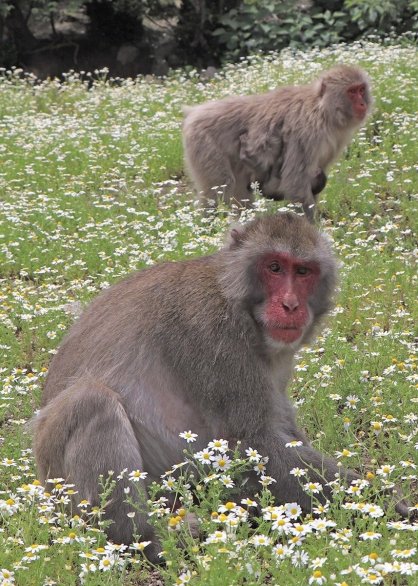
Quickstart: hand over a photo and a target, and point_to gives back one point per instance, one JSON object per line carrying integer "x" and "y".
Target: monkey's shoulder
{"x": 153, "y": 291}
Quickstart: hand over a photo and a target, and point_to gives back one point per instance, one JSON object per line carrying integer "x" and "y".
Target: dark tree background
{"x": 129, "y": 37}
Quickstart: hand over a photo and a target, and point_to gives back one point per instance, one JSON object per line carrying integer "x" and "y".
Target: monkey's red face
{"x": 289, "y": 282}
{"x": 357, "y": 96}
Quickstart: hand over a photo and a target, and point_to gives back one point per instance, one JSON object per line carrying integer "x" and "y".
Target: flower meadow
{"x": 92, "y": 187}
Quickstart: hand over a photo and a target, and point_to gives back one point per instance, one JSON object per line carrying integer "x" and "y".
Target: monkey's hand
{"x": 402, "y": 506}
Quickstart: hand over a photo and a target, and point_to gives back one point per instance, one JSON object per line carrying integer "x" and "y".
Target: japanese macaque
{"x": 285, "y": 139}
{"x": 204, "y": 344}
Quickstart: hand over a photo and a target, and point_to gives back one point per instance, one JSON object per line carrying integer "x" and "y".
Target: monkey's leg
{"x": 208, "y": 168}
{"x": 308, "y": 206}
{"x": 217, "y": 177}
{"x": 240, "y": 192}
{"x": 318, "y": 183}
{"x": 231, "y": 187}
{"x": 83, "y": 433}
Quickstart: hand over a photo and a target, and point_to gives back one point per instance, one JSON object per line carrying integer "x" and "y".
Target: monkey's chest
{"x": 326, "y": 153}
{"x": 330, "y": 147}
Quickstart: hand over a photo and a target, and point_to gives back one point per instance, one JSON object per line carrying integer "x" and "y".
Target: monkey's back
{"x": 234, "y": 115}
{"x": 142, "y": 320}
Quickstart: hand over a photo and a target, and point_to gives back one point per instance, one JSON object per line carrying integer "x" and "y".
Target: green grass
{"x": 92, "y": 188}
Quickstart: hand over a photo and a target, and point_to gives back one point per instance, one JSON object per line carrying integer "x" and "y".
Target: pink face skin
{"x": 357, "y": 94}
{"x": 288, "y": 282}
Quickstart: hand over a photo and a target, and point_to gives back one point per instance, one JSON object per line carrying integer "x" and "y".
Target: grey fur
{"x": 175, "y": 347}
{"x": 283, "y": 139}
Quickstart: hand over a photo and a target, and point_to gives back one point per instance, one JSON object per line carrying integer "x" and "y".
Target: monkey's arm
{"x": 279, "y": 431}
{"x": 300, "y": 177}
{"x": 263, "y": 418}
{"x": 321, "y": 468}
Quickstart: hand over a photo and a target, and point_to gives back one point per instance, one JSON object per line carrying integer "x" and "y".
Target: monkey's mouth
{"x": 287, "y": 334}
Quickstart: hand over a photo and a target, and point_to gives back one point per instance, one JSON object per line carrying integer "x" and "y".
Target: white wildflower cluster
{"x": 91, "y": 189}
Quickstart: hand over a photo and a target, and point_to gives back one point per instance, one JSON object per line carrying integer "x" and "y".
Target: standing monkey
{"x": 205, "y": 344}
{"x": 285, "y": 139}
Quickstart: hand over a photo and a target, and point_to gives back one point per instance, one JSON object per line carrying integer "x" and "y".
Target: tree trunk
{"x": 19, "y": 32}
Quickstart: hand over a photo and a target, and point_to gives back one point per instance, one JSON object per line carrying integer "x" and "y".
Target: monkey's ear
{"x": 235, "y": 237}
{"x": 322, "y": 88}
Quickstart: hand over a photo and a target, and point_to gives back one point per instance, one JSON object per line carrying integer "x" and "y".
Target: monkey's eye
{"x": 275, "y": 267}
{"x": 302, "y": 271}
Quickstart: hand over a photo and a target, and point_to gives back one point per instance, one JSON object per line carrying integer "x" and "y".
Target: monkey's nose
{"x": 290, "y": 302}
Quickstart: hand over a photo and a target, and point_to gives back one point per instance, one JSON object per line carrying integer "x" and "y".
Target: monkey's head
{"x": 283, "y": 272}
{"x": 345, "y": 91}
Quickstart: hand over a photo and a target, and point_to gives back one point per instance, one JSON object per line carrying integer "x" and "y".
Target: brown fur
{"x": 177, "y": 347}
{"x": 282, "y": 139}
